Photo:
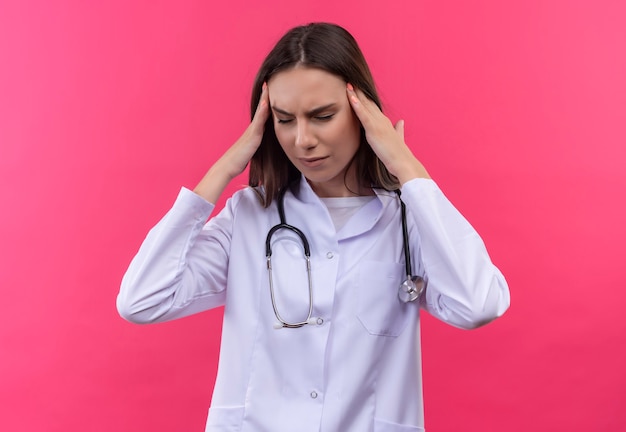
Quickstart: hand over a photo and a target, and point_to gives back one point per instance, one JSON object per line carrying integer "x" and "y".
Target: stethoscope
{"x": 410, "y": 289}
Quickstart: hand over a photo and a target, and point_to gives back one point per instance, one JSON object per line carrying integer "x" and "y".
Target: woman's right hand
{"x": 236, "y": 158}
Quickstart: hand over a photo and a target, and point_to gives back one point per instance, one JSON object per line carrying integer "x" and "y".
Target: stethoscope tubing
{"x": 409, "y": 290}
{"x": 307, "y": 254}
{"x": 405, "y": 236}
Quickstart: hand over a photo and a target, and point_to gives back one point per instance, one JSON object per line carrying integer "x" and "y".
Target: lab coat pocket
{"x": 380, "y": 311}
{"x": 225, "y": 419}
{"x": 385, "y": 426}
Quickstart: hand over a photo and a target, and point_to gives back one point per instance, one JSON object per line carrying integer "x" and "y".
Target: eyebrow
{"x": 311, "y": 113}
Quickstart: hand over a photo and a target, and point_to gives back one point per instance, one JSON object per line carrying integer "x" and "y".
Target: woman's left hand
{"x": 386, "y": 140}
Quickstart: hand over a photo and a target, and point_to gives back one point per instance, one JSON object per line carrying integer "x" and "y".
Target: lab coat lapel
{"x": 370, "y": 214}
{"x": 362, "y": 221}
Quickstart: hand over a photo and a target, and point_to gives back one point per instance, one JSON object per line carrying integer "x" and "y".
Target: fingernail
{"x": 350, "y": 87}
{"x": 264, "y": 86}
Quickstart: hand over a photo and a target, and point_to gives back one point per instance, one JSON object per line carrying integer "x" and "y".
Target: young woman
{"x": 321, "y": 264}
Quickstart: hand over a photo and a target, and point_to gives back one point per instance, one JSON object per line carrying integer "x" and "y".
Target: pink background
{"x": 518, "y": 109}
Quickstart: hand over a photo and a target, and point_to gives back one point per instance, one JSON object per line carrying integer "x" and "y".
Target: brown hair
{"x": 330, "y": 48}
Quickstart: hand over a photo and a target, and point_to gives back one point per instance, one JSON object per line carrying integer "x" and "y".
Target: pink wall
{"x": 518, "y": 109}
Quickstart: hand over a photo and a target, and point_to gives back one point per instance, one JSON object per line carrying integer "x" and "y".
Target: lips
{"x": 313, "y": 161}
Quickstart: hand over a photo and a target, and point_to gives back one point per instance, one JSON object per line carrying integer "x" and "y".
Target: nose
{"x": 304, "y": 138}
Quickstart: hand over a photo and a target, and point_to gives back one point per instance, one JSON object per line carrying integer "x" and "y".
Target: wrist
{"x": 213, "y": 183}
{"x": 411, "y": 171}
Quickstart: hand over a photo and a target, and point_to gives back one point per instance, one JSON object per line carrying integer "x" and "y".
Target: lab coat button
{"x": 314, "y": 394}
{"x": 329, "y": 255}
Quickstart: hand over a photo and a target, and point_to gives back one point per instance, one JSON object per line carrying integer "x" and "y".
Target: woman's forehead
{"x": 305, "y": 86}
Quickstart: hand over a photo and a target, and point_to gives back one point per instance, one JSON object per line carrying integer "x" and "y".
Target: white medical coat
{"x": 359, "y": 367}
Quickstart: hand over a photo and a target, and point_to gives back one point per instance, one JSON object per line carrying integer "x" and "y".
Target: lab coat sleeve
{"x": 464, "y": 288}
{"x": 181, "y": 267}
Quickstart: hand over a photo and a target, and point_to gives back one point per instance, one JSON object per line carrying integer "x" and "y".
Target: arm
{"x": 181, "y": 267}
{"x": 464, "y": 288}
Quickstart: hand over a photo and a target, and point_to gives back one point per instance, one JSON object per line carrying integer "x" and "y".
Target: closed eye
{"x": 282, "y": 121}
{"x": 325, "y": 117}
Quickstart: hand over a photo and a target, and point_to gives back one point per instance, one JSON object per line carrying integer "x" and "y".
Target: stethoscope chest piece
{"x": 411, "y": 288}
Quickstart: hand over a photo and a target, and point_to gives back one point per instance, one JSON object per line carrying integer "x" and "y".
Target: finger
{"x": 367, "y": 102}
{"x": 399, "y": 127}
{"x": 352, "y": 97}
{"x": 357, "y": 102}
{"x": 356, "y": 96}
{"x": 262, "y": 109}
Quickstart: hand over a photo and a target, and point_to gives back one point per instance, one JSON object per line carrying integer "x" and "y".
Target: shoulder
{"x": 241, "y": 209}
{"x": 247, "y": 199}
